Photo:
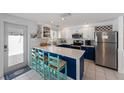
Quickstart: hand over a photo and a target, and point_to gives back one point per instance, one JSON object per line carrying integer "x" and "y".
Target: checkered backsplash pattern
{"x": 104, "y": 28}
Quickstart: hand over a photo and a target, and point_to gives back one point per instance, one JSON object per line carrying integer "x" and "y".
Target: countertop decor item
{"x": 43, "y": 44}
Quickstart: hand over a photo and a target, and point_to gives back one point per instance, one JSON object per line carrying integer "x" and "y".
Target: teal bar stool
{"x": 42, "y": 64}
{"x": 33, "y": 58}
{"x": 55, "y": 66}
{"x": 46, "y": 70}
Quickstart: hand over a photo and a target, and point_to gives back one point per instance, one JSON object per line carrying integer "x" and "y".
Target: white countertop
{"x": 72, "y": 53}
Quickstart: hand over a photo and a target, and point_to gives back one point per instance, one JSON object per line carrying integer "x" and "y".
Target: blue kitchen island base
{"x": 75, "y": 68}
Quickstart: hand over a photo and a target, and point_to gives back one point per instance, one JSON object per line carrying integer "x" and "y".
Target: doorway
{"x": 15, "y": 46}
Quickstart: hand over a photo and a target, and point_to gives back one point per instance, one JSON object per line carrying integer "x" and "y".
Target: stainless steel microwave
{"x": 77, "y": 36}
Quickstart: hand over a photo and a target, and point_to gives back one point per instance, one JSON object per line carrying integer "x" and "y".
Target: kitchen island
{"x": 73, "y": 57}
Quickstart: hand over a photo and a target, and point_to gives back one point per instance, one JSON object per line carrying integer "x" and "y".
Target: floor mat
{"x": 15, "y": 73}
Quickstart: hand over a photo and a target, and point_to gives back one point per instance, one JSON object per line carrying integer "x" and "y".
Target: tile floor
{"x": 95, "y": 72}
{"x": 91, "y": 72}
{"x": 30, "y": 75}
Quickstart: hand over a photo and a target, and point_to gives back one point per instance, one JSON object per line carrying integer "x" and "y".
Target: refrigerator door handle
{"x": 95, "y": 44}
{"x": 95, "y": 40}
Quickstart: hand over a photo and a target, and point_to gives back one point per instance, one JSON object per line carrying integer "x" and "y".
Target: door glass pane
{"x": 15, "y": 49}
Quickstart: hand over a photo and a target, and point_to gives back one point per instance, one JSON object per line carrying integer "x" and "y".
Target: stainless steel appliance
{"x": 88, "y": 42}
{"x": 78, "y": 42}
{"x": 77, "y": 36}
{"x": 107, "y": 49}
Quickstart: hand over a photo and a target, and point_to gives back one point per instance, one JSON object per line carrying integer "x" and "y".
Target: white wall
{"x": 87, "y": 30}
{"x": 121, "y": 44}
{"x": 32, "y": 27}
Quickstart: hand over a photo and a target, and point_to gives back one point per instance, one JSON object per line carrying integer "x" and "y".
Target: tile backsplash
{"x": 104, "y": 28}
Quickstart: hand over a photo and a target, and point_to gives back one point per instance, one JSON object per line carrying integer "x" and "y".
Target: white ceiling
{"x": 74, "y": 19}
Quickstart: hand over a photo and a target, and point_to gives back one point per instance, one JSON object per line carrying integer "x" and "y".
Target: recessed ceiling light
{"x": 63, "y": 18}
{"x": 51, "y": 21}
{"x": 86, "y": 25}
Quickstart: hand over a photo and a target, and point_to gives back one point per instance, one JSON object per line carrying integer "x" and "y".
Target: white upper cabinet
{"x": 88, "y": 32}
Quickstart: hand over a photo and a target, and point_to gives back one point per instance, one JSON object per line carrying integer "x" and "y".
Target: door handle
{"x": 5, "y": 48}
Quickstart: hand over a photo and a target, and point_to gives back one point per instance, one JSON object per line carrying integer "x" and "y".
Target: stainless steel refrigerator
{"x": 106, "y": 49}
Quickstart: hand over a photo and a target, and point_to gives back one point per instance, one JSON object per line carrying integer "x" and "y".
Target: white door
{"x": 15, "y": 46}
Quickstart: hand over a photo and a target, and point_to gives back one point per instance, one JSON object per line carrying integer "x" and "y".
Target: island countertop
{"x": 72, "y": 53}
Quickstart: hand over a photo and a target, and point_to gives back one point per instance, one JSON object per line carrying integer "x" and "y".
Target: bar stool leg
{"x": 66, "y": 71}
{"x": 58, "y": 74}
{"x": 49, "y": 73}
